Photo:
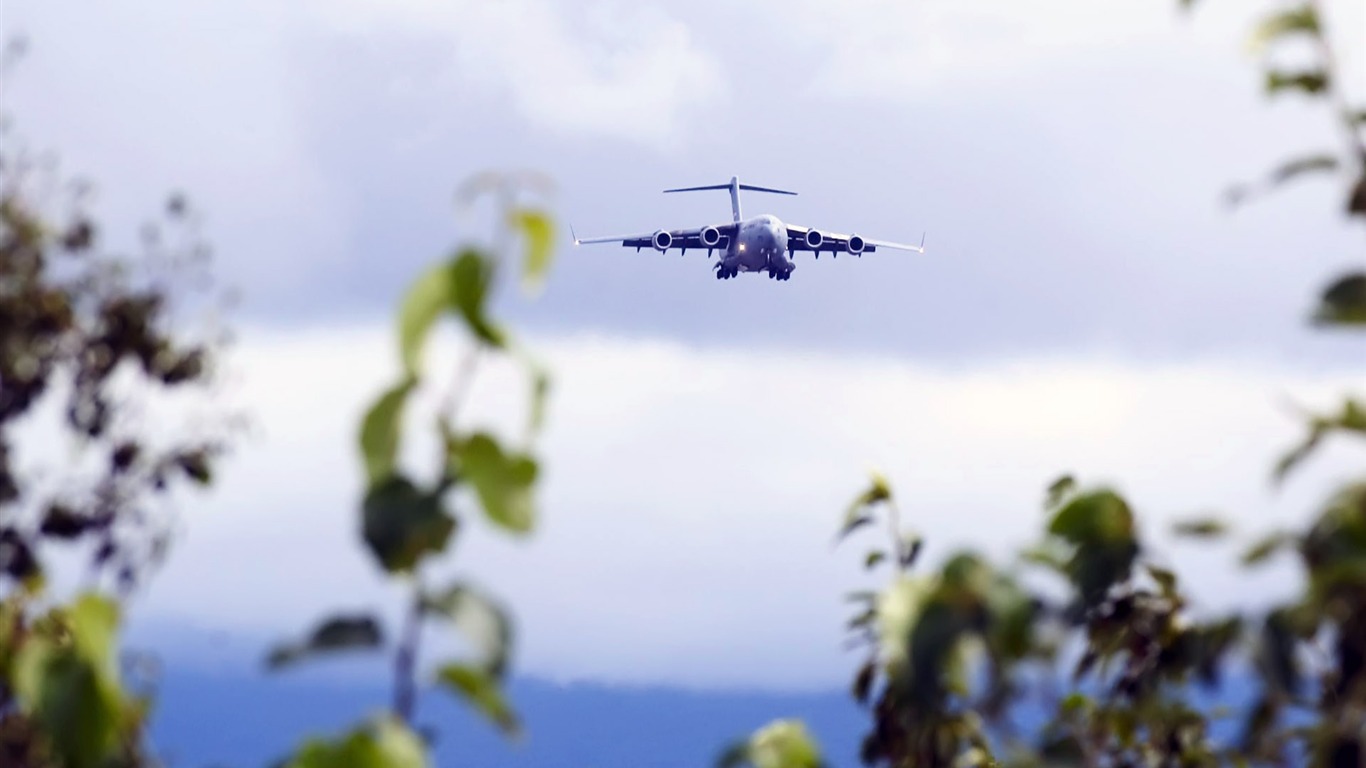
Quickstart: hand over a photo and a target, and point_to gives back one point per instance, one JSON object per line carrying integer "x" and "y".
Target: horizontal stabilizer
{"x": 734, "y": 187}
{"x": 699, "y": 189}
{"x": 766, "y": 189}
{"x": 747, "y": 187}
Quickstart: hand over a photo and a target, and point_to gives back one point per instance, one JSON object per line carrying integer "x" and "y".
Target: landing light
{"x": 742, "y": 246}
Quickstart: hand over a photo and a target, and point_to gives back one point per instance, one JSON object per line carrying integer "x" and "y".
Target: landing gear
{"x": 773, "y": 274}
{"x": 725, "y": 273}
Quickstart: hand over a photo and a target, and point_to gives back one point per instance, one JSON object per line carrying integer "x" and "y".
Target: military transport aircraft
{"x": 760, "y": 244}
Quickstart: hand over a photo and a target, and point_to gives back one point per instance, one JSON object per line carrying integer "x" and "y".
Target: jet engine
{"x": 814, "y": 239}
{"x": 662, "y": 240}
{"x": 855, "y": 244}
{"x": 710, "y": 236}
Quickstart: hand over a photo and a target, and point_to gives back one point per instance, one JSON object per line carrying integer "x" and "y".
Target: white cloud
{"x": 627, "y": 71}
{"x": 691, "y": 495}
{"x": 899, "y": 49}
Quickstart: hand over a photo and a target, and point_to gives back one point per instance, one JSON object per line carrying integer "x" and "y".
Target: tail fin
{"x": 734, "y": 186}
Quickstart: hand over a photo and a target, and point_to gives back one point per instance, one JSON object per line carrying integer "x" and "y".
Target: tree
{"x": 90, "y": 340}
{"x": 960, "y": 657}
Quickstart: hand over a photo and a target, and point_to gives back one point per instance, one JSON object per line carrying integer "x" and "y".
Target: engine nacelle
{"x": 662, "y": 240}
{"x": 711, "y": 236}
{"x": 856, "y": 244}
{"x": 814, "y": 239}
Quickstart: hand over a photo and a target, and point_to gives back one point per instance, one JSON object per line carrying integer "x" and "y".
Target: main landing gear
{"x": 772, "y": 275}
{"x": 725, "y": 273}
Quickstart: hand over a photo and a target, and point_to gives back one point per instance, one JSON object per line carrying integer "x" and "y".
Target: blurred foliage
{"x": 780, "y": 744}
{"x": 973, "y": 664}
{"x": 91, "y": 340}
{"x": 88, "y": 331}
{"x": 408, "y": 525}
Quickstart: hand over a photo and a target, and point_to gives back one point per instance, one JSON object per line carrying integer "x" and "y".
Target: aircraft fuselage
{"x": 760, "y": 245}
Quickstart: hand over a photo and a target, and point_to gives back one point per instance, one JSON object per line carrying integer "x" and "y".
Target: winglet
{"x": 571, "y": 233}
{"x": 922, "y": 242}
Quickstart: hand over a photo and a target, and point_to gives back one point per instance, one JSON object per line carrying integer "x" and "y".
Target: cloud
{"x": 896, "y": 50}
{"x": 144, "y": 99}
{"x": 620, "y": 70}
{"x": 222, "y": 101}
{"x": 690, "y": 495}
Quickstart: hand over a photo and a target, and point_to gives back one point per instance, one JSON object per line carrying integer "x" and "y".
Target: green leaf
{"x": 1075, "y": 703}
{"x": 853, "y": 524}
{"x": 862, "y": 687}
{"x": 873, "y": 558}
{"x": 1356, "y": 202}
{"x": 460, "y": 284}
{"x": 908, "y": 549}
{"x": 504, "y": 481}
{"x": 383, "y": 743}
{"x": 1058, "y": 491}
{"x": 1352, "y": 418}
{"x": 1310, "y": 81}
{"x": 1301, "y": 166}
{"x": 1259, "y": 552}
{"x": 401, "y": 524}
{"x": 473, "y": 275}
{"x": 72, "y": 688}
{"x": 878, "y": 491}
{"x": 336, "y": 633}
{"x": 539, "y": 233}
{"x": 381, "y": 429}
{"x": 862, "y": 619}
{"x": 479, "y": 618}
{"x": 1287, "y": 172}
{"x": 1301, "y": 20}
{"x": 780, "y": 744}
{"x": 1094, "y": 517}
{"x": 1100, "y": 527}
{"x": 480, "y": 689}
{"x": 195, "y": 465}
{"x": 867, "y": 597}
{"x": 1165, "y": 579}
{"x": 1343, "y": 302}
{"x": 428, "y": 296}
{"x": 1203, "y": 528}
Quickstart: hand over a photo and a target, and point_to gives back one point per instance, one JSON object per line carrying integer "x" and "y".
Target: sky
{"x": 1086, "y": 304}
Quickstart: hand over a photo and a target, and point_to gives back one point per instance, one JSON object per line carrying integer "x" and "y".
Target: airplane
{"x": 759, "y": 244}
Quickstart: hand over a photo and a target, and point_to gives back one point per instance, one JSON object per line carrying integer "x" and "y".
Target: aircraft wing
{"x": 676, "y": 238}
{"x": 797, "y": 240}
